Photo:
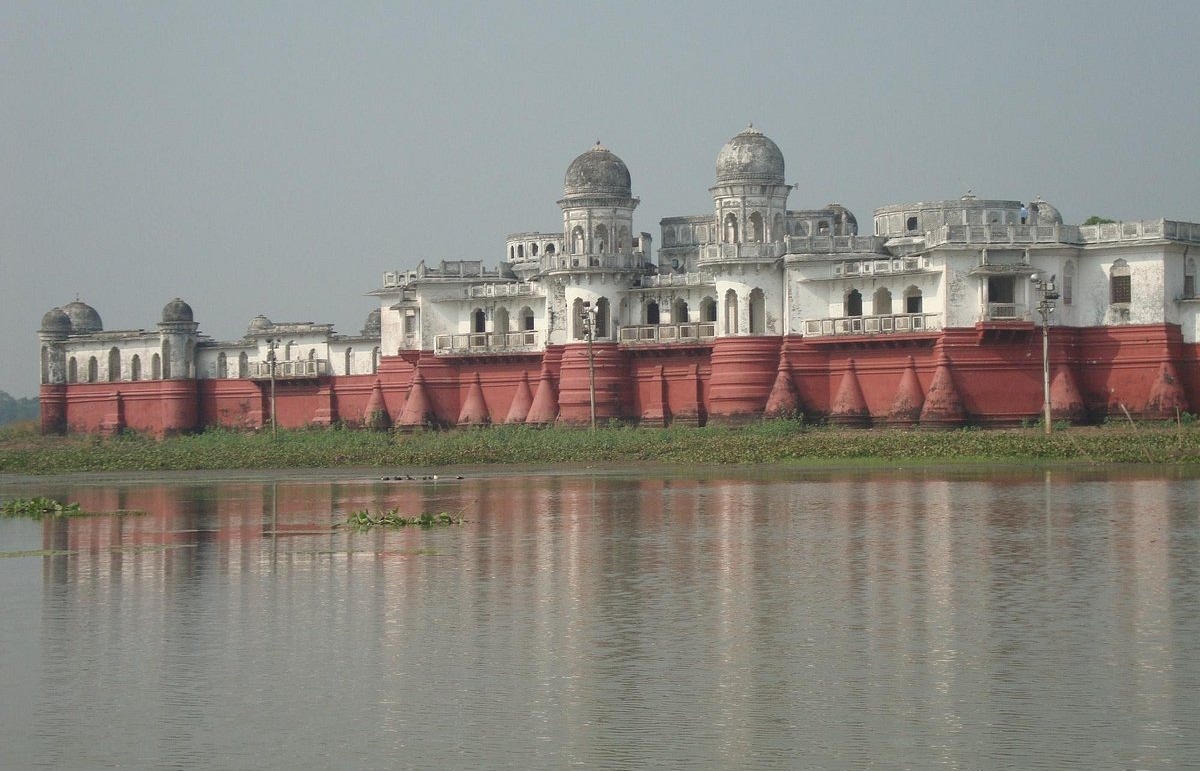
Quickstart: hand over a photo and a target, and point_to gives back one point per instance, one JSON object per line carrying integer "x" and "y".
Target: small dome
{"x": 597, "y": 172}
{"x": 847, "y": 223}
{"x": 177, "y": 311}
{"x": 56, "y": 320}
{"x": 84, "y": 319}
{"x": 260, "y": 324}
{"x": 373, "y": 326}
{"x": 750, "y": 157}
{"x": 1046, "y": 214}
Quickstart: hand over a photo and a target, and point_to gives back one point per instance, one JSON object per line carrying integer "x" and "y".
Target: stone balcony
{"x": 660, "y": 334}
{"x": 733, "y": 252}
{"x": 290, "y": 370}
{"x": 889, "y": 324}
{"x": 487, "y": 343}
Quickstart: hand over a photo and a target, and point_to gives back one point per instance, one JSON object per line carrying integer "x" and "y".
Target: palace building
{"x": 752, "y": 309}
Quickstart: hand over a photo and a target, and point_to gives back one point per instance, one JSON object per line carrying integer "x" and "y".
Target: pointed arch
{"x": 600, "y": 239}
{"x": 156, "y": 367}
{"x": 243, "y": 365}
{"x": 72, "y": 370}
{"x": 754, "y": 228}
{"x": 577, "y": 324}
{"x": 679, "y": 311}
{"x": 731, "y": 312}
{"x": 602, "y": 318}
{"x": 374, "y": 360}
{"x": 92, "y": 370}
{"x": 912, "y": 300}
{"x": 881, "y": 302}
{"x": 166, "y": 360}
{"x": 777, "y": 229}
{"x": 731, "y": 228}
{"x": 222, "y": 365}
{"x": 708, "y": 309}
{"x": 348, "y": 361}
{"x": 135, "y": 367}
{"x": 1120, "y": 283}
{"x": 478, "y": 321}
{"x": 758, "y": 312}
{"x": 114, "y": 365}
{"x": 852, "y": 303}
{"x": 500, "y": 321}
{"x": 577, "y": 240}
{"x": 527, "y": 319}
{"x": 653, "y": 315}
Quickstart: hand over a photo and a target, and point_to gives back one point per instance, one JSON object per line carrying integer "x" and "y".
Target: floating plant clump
{"x": 365, "y": 520}
{"x": 39, "y": 508}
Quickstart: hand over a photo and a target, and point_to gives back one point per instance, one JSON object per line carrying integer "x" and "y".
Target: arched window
{"x": 1189, "y": 278}
{"x": 348, "y": 361}
{"x": 527, "y": 319}
{"x": 92, "y": 370}
{"x": 243, "y": 365}
{"x": 577, "y": 319}
{"x": 600, "y": 239}
{"x": 156, "y": 367}
{"x": 135, "y": 368}
{"x": 822, "y": 228}
{"x": 72, "y": 371}
{"x": 577, "y": 240}
{"x": 520, "y": 251}
{"x": 533, "y": 250}
{"x": 114, "y": 365}
{"x": 222, "y": 365}
{"x": 500, "y": 321}
{"x": 731, "y": 312}
{"x": 754, "y": 229}
{"x": 549, "y": 248}
{"x": 881, "y": 302}
{"x": 708, "y": 309}
{"x": 758, "y": 315}
{"x": 912, "y": 300}
{"x": 652, "y": 314}
{"x": 478, "y": 321}
{"x": 1120, "y": 283}
{"x": 679, "y": 311}
{"x": 731, "y": 228}
{"x": 1068, "y": 284}
{"x": 189, "y": 359}
{"x": 602, "y": 318}
{"x": 166, "y": 360}
{"x": 374, "y": 360}
{"x": 623, "y": 242}
{"x": 287, "y": 352}
{"x": 853, "y": 303}
{"x": 777, "y": 231}
{"x": 512, "y": 252}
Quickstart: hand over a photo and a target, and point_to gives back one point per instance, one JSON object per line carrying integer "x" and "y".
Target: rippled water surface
{"x": 771, "y": 619}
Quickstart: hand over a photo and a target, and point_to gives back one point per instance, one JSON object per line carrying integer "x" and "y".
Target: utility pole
{"x": 1046, "y": 297}
{"x": 272, "y": 343}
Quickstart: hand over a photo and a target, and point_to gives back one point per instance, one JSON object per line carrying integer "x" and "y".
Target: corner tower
{"x": 750, "y": 196}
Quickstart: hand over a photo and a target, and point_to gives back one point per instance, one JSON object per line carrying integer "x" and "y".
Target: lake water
{"x": 775, "y": 618}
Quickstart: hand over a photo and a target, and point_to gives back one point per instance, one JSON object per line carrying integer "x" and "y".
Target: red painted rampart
{"x": 994, "y": 371}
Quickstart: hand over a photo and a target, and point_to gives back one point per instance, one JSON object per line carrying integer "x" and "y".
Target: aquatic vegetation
{"x": 39, "y": 508}
{"x": 364, "y": 520}
{"x": 37, "y": 553}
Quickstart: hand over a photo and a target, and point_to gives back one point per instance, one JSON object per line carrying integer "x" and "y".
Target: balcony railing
{"x": 882, "y": 267}
{"x": 260, "y": 370}
{"x": 677, "y": 279}
{"x": 487, "y": 342}
{"x": 1005, "y": 312}
{"x": 902, "y": 323}
{"x": 501, "y": 290}
{"x": 651, "y": 334}
{"x": 713, "y": 252}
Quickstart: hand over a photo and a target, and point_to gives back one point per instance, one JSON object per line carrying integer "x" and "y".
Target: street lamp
{"x": 587, "y": 317}
{"x": 272, "y": 343}
{"x": 1046, "y": 297}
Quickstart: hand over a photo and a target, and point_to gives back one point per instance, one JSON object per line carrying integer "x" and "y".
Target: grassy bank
{"x": 22, "y": 450}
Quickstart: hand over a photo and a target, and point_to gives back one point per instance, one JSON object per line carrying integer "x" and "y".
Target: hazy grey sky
{"x": 276, "y": 158}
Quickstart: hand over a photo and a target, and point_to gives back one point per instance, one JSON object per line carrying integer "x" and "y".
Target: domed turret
{"x": 259, "y": 325}
{"x": 373, "y": 325}
{"x": 1043, "y": 213}
{"x": 750, "y": 157}
{"x": 845, "y": 223}
{"x": 597, "y": 172}
{"x": 84, "y": 319}
{"x": 177, "y": 312}
{"x": 56, "y": 322}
